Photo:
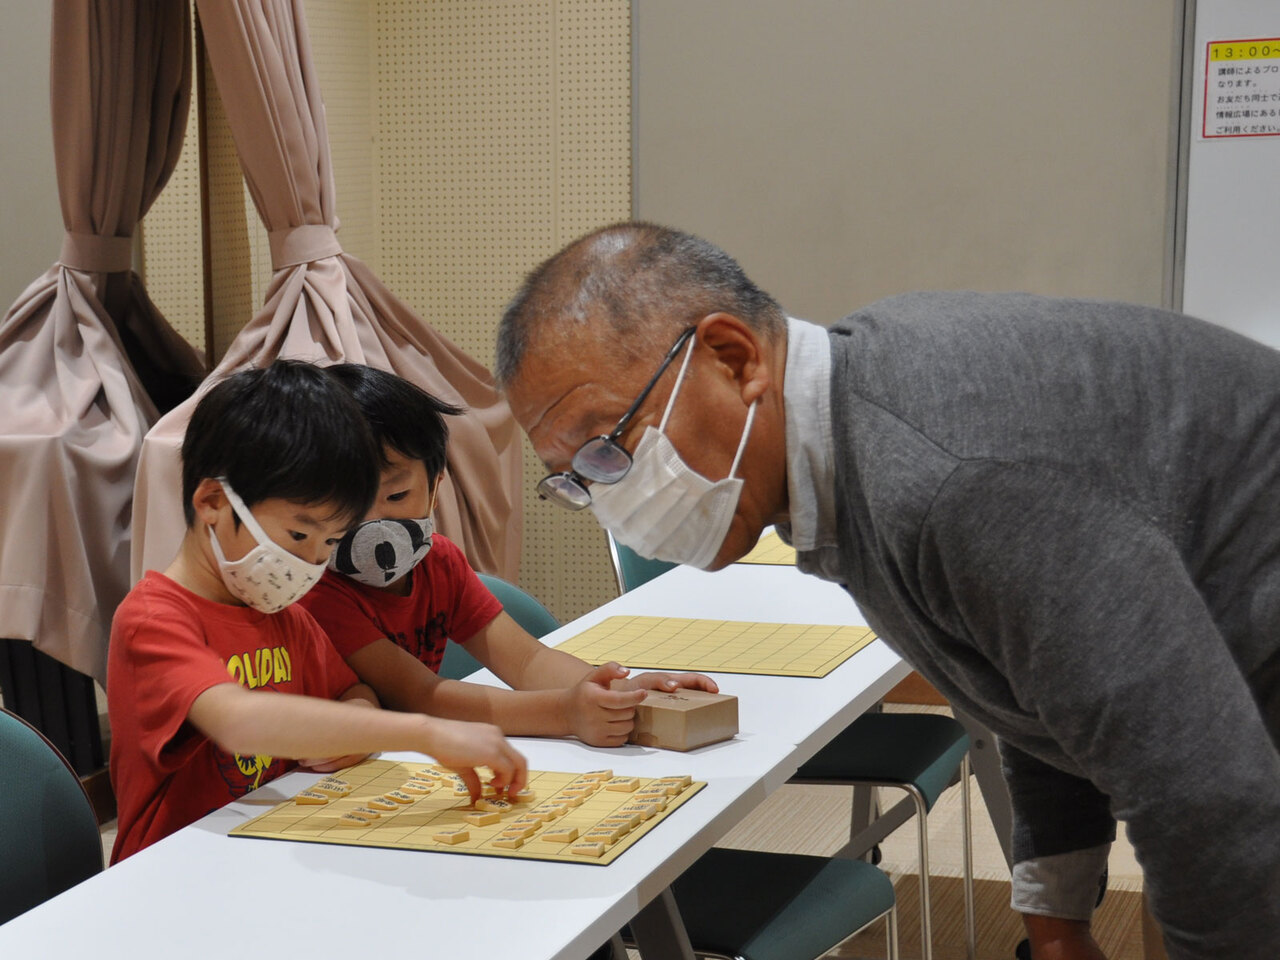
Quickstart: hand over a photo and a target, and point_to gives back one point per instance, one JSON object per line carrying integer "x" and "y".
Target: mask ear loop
{"x": 746, "y": 432}
{"x": 435, "y": 495}
{"x": 684, "y": 365}
{"x": 245, "y": 514}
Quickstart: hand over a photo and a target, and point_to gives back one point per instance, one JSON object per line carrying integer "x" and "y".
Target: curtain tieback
{"x": 294, "y": 245}
{"x": 94, "y": 254}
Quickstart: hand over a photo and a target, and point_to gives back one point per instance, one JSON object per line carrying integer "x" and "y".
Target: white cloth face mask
{"x": 268, "y": 577}
{"x": 662, "y": 508}
{"x": 379, "y": 552}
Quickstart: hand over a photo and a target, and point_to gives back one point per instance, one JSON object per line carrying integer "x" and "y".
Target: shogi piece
{"x": 685, "y": 719}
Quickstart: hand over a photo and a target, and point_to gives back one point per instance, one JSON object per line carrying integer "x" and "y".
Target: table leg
{"x": 863, "y": 814}
{"x": 659, "y": 932}
{"x": 984, "y": 758}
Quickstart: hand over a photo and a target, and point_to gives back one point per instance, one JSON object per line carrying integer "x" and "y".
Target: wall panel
{"x": 503, "y": 131}
{"x": 847, "y": 151}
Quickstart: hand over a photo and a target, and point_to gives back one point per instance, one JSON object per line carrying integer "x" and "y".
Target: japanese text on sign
{"x": 1242, "y": 88}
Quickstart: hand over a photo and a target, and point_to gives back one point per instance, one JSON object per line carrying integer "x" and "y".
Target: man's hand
{"x": 1053, "y": 938}
{"x": 597, "y": 714}
{"x": 667, "y": 682}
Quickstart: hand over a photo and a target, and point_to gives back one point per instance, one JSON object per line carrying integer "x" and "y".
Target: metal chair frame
{"x": 862, "y": 837}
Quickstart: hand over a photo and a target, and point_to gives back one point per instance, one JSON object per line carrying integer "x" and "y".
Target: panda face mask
{"x": 380, "y": 552}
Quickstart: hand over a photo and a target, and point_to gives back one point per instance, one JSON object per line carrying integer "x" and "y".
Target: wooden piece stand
{"x": 684, "y": 719}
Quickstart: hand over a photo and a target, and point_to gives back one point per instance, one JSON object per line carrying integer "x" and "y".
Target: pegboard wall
{"x": 171, "y": 245}
{"x": 471, "y": 139}
{"x": 503, "y": 131}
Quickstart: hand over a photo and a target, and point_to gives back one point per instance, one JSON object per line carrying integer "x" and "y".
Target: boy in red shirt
{"x": 396, "y": 592}
{"x": 216, "y": 684}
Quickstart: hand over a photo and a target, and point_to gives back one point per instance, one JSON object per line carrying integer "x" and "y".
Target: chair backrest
{"x": 520, "y": 606}
{"x": 49, "y": 838}
{"x": 630, "y": 568}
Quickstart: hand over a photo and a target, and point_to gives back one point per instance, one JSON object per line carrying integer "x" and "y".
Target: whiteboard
{"x": 1231, "y": 271}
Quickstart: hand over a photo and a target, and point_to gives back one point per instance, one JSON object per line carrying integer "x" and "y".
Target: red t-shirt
{"x": 446, "y": 601}
{"x": 168, "y": 646}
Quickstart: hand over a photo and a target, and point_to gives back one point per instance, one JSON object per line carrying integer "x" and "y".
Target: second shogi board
{"x": 770, "y": 549}
{"x": 433, "y": 819}
{"x": 719, "y": 646}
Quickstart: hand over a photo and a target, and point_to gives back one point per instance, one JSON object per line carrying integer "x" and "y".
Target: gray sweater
{"x": 1066, "y": 515}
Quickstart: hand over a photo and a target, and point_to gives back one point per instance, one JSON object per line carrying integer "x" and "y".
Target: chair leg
{"x": 926, "y": 907}
{"x": 891, "y": 931}
{"x": 970, "y": 922}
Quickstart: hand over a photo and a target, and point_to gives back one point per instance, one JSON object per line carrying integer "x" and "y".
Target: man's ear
{"x": 207, "y": 500}
{"x": 738, "y": 352}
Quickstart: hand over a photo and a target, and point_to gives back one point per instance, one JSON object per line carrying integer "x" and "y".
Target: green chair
{"x": 49, "y": 837}
{"x": 520, "y": 606}
{"x": 919, "y": 753}
{"x": 630, "y": 568}
{"x": 780, "y": 906}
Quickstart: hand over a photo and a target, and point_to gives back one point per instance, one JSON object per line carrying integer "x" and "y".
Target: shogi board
{"x": 719, "y": 646}
{"x": 412, "y": 826}
{"x": 771, "y": 550}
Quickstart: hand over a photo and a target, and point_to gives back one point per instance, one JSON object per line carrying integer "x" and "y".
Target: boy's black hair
{"x": 290, "y": 431}
{"x": 402, "y": 416}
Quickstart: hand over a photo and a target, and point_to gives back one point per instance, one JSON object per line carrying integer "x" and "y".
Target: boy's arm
{"x": 581, "y": 706}
{"x": 360, "y": 695}
{"x": 291, "y": 725}
{"x": 525, "y": 663}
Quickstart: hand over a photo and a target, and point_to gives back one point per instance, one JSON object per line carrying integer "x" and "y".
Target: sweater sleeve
{"x": 1085, "y": 609}
{"x": 1062, "y": 833}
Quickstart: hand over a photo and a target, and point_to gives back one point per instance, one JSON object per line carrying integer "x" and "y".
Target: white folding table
{"x": 201, "y": 893}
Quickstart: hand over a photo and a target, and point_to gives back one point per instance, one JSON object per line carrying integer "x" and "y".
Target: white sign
{"x": 1242, "y": 88}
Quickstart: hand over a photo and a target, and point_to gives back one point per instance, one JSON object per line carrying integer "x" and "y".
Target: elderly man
{"x": 1065, "y": 514}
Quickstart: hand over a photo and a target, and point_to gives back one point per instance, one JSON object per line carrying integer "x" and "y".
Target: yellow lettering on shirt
{"x": 260, "y": 668}
{"x": 266, "y": 666}
{"x": 250, "y": 677}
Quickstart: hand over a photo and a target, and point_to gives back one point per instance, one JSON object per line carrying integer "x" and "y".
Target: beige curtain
{"x": 323, "y": 304}
{"x": 82, "y": 346}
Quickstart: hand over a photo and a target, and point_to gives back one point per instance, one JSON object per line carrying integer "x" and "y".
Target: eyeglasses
{"x": 602, "y": 459}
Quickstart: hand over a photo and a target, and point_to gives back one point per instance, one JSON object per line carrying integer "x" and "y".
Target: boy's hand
{"x": 599, "y": 715}
{"x": 462, "y": 746}
{"x": 331, "y": 764}
{"x": 668, "y": 682}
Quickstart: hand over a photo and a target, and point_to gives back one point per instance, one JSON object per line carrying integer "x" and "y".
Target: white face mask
{"x": 379, "y": 552}
{"x": 268, "y": 577}
{"x": 663, "y": 509}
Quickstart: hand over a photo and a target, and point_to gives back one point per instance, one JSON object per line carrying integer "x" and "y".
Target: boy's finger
{"x": 519, "y": 775}
{"x": 471, "y": 779}
{"x": 622, "y": 699}
{"x": 606, "y": 673}
{"x": 509, "y": 770}
{"x": 699, "y": 682}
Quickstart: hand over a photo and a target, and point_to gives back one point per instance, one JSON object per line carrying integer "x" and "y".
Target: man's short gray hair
{"x": 645, "y": 282}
